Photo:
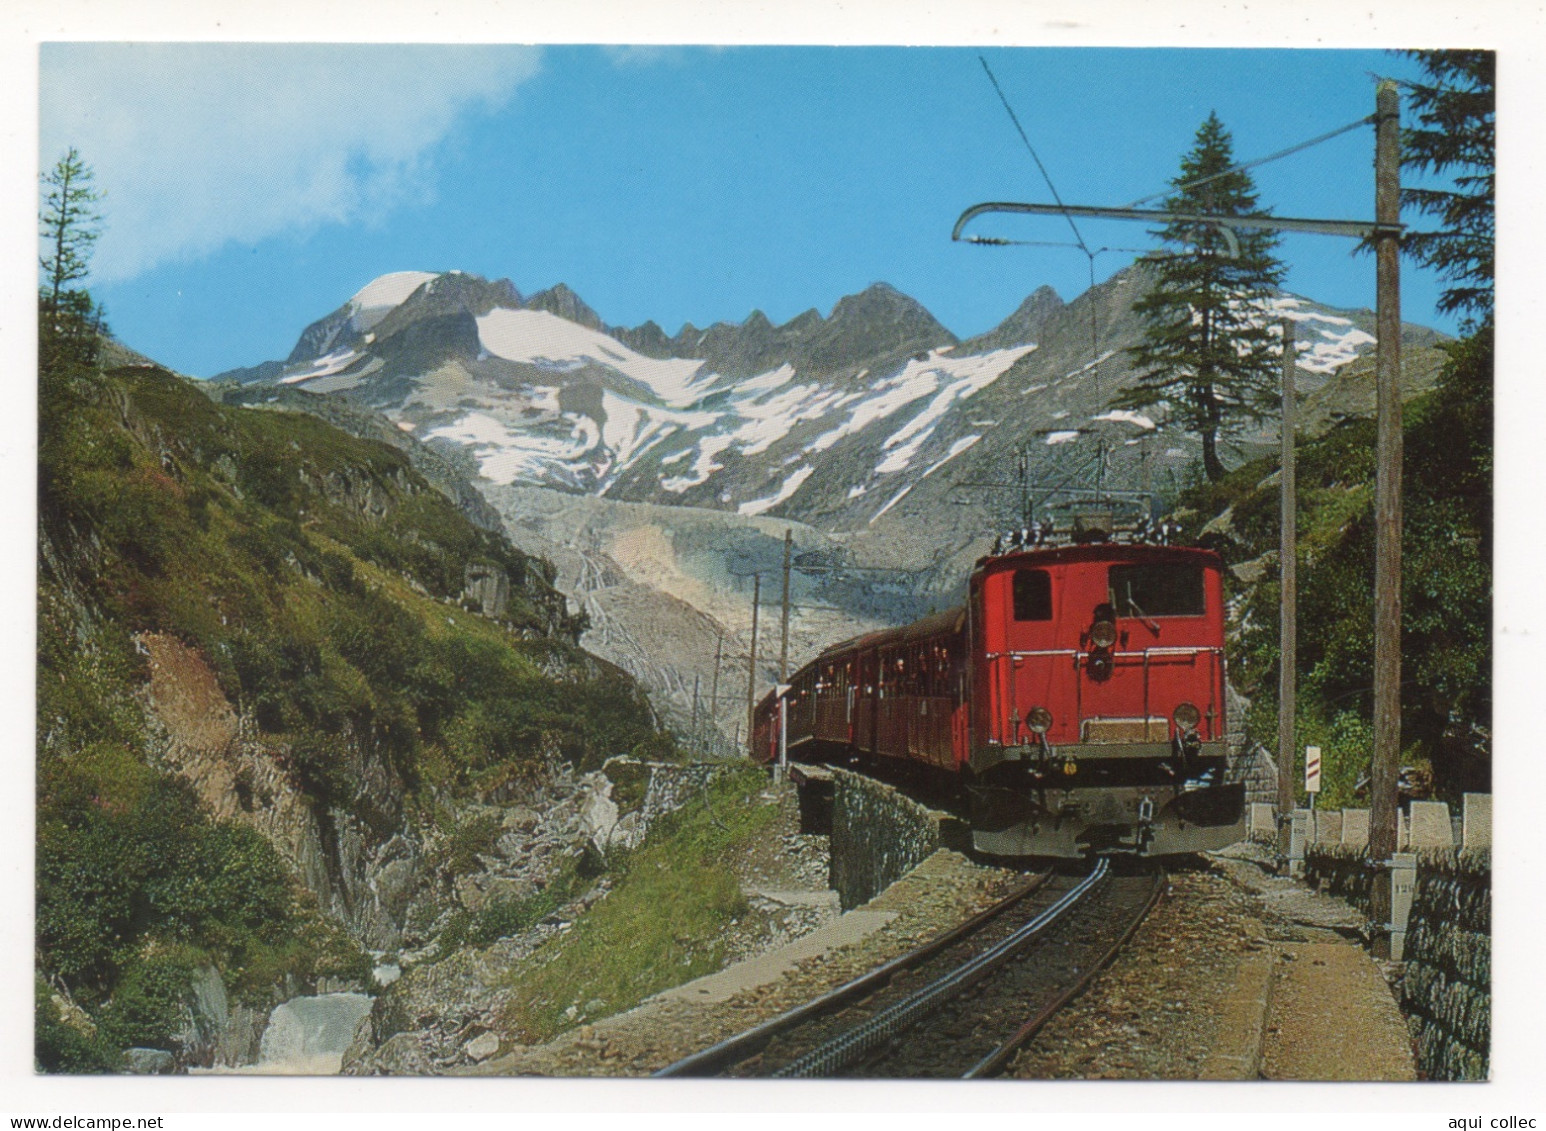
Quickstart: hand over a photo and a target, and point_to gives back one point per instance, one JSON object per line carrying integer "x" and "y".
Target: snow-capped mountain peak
{"x": 871, "y": 412}
{"x": 386, "y": 291}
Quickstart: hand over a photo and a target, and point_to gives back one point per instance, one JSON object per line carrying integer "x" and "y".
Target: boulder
{"x": 514, "y": 846}
{"x": 401, "y": 1054}
{"x": 599, "y": 815}
{"x": 147, "y": 1062}
{"x": 481, "y": 1048}
{"x": 469, "y": 893}
{"x": 503, "y": 889}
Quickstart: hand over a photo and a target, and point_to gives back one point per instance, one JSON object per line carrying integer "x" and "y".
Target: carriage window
{"x": 1033, "y": 594}
{"x": 1171, "y": 589}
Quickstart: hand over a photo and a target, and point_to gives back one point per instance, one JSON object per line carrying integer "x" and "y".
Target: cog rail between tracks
{"x": 840, "y": 1052}
{"x": 855, "y": 1044}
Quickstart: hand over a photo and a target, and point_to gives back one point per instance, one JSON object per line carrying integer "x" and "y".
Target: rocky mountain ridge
{"x": 832, "y": 420}
{"x": 635, "y": 459}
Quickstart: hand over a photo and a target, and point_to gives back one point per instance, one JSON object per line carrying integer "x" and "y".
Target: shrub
{"x": 59, "y": 1046}
{"x": 147, "y": 1007}
{"x": 468, "y": 840}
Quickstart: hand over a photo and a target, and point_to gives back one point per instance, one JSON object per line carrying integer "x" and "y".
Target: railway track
{"x": 960, "y": 1006}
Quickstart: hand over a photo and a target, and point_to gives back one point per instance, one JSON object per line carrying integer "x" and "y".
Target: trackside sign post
{"x": 1312, "y": 771}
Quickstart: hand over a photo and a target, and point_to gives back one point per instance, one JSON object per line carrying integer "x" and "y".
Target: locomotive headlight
{"x": 1104, "y": 631}
{"x": 1039, "y": 719}
{"x": 1187, "y": 717}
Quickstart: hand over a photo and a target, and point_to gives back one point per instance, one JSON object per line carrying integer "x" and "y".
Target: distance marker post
{"x": 1312, "y": 772}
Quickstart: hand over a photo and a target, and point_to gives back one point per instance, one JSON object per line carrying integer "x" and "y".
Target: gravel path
{"x": 1239, "y": 974}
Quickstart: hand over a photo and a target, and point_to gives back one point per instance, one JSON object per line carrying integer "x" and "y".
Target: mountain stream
{"x": 307, "y": 1036}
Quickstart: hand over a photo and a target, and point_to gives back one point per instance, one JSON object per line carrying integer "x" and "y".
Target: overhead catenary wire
{"x": 1078, "y": 236}
{"x": 999, "y": 241}
{"x": 1031, "y": 149}
{"x": 1244, "y": 165}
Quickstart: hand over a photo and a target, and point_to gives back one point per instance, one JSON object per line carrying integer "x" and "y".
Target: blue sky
{"x": 253, "y": 188}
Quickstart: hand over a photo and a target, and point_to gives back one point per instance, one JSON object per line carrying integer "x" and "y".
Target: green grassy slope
{"x": 320, "y": 578}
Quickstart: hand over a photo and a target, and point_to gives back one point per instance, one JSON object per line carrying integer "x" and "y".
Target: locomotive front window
{"x": 1169, "y": 589}
{"x": 1033, "y": 594}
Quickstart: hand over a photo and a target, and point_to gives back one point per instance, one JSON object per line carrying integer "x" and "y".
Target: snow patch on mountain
{"x": 770, "y": 380}
{"x": 704, "y": 466}
{"x": 955, "y": 449}
{"x": 546, "y": 340}
{"x": 1124, "y": 416}
{"x": 947, "y": 379}
{"x": 506, "y": 455}
{"x": 895, "y": 499}
{"x": 391, "y": 290}
{"x": 1087, "y": 366}
{"x": 1326, "y": 342}
{"x": 790, "y": 486}
{"x": 322, "y": 367}
{"x": 630, "y": 430}
{"x": 770, "y": 418}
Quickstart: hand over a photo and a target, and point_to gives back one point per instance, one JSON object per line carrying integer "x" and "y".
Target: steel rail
{"x": 840, "y": 1052}
{"x": 741, "y": 1046}
{"x": 999, "y": 1057}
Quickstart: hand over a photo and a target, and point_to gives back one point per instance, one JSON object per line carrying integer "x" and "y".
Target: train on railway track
{"x": 1077, "y": 700}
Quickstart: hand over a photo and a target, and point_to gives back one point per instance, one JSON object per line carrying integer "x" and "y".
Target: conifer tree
{"x": 1207, "y": 354}
{"x": 1455, "y": 135}
{"x": 68, "y": 321}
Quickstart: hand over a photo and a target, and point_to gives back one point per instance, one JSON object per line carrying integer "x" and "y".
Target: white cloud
{"x": 644, "y": 54}
{"x": 201, "y": 145}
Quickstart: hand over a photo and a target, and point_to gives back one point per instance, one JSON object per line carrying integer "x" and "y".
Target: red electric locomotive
{"x": 1078, "y": 697}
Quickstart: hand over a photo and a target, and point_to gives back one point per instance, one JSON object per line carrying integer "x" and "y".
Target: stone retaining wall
{"x": 879, "y": 834}
{"x": 1259, "y": 770}
{"x": 1446, "y": 987}
{"x": 1342, "y": 870}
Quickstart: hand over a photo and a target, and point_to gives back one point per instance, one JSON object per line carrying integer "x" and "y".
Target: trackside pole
{"x": 783, "y": 646}
{"x": 1288, "y": 575}
{"x": 1387, "y": 496}
{"x": 751, "y": 672}
{"x": 783, "y": 733}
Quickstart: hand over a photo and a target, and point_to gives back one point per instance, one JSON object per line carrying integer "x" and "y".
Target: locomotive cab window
{"x": 1033, "y": 594}
{"x": 1162, "y": 589}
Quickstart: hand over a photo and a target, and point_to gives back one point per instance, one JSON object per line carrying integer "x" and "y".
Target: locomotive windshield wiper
{"x": 1148, "y": 623}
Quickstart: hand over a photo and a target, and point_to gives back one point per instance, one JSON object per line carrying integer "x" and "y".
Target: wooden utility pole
{"x": 1288, "y": 575}
{"x": 751, "y": 668}
{"x": 1387, "y": 491}
{"x": 783, "y": 647}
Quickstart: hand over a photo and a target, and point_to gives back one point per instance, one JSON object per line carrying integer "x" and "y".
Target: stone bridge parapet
{"x": 879, "y": 833}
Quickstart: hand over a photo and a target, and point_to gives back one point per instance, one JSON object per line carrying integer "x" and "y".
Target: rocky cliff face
{"x": 357, "y": 876}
